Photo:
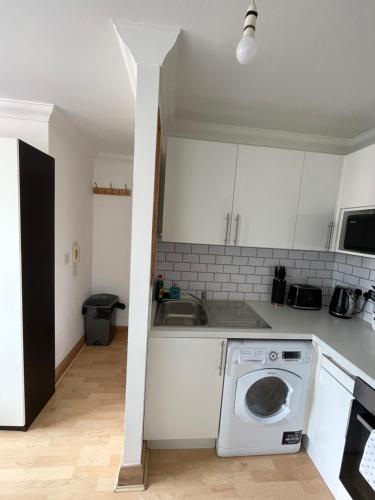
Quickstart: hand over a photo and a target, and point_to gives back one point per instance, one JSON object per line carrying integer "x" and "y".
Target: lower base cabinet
{"x": 328, "y": 424}
{"x": 184, "y": 385}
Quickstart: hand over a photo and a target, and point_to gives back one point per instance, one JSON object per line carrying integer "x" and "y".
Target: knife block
{"x": 278, "y": 292}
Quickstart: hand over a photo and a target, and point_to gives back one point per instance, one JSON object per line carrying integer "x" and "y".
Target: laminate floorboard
{"x": 73, "y": 450}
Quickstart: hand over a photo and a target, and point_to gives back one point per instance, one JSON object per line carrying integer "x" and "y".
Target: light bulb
{"x": 247, "y": 49}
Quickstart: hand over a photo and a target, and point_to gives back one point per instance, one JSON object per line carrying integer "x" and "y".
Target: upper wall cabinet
{"x": 358, "y": 180}
{"x": 266, "y": 196}
{"x": 198, "y": 191}
{"x": 317, "y": 205}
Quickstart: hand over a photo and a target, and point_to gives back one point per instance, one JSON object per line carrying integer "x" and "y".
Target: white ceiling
{"x": 314, "y": 72}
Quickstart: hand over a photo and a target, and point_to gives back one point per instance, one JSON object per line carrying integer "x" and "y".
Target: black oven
{"x": 361, "y": 423}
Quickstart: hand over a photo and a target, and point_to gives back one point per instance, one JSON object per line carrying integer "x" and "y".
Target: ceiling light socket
{"x": 247, "y": 47}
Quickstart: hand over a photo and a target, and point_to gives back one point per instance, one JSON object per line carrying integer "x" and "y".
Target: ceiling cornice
{"x": 363, "y": 140}
{"x": 26, "y": 110}
{"x": 260, "y": 137}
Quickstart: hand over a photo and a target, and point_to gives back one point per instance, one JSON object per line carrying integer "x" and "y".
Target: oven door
{"x": 360, "y": 425}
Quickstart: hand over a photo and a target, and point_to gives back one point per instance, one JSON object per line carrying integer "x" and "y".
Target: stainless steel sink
{"x": 212, "y": 314}
{"x": 181, "y": 313}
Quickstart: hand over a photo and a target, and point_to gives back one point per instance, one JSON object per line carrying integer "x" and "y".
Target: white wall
{"x": 73, "y": 213}
{"x": 112, "y": 230}
{"x": 73, "y": 223}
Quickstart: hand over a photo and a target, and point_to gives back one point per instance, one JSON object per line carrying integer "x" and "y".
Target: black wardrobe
{"x": 35, "y": 172}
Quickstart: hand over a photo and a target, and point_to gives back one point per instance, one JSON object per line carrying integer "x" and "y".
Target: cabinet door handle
{"x": 221, "y": 366}
{"x": 330, "y": 231}
{"x": 236, "y": 235}
{"x": 227, "y": 230}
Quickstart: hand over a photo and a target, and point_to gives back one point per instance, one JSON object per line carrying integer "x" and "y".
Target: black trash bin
{"x": 100, "y": 314}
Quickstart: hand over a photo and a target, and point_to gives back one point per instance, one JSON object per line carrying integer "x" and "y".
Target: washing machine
{"x": 264, "y": 397}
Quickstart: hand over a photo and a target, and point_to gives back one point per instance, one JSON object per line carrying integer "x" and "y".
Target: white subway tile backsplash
{"x": 199, "y": 249}
{"x": 302, "y": 264}
{"x": 361, "y": 272}
{"x": 256, "y": 261}
{"x": 296, "y": 254}
{"x": 236, "y": 296}
{"x": 207, "y": 259}
{"x": 206, "y": 276}
{"x": 200, "y": 268}
{"x": 244, "y": 287}
{"x": 351, "y": 280}
{"x": 368, "y": 263}
{"x": 182, "y": 247}
{"x": 311, "y": 255}
{"x": 189, "y": 276}
{"x": 236, "y": 273}
{"x": 216, "y": 250}
{"x": 344, "y": 268}
{"x": 238, "y": 278}
{"x": 173, "y": 257}
{"x": 166, "y": 247}
{"x": 354, "y": 260}
{"x": 172, "y": 275}
{"x": 215, "y": 268}
{"x": 191, "y": 257}
{"x": 264, "y": 252}
{"x": 239, "y": 261}
{"x": 317, "y": 264}
{"x": 248, "y": 252}
{"x": 182, "y": 266}
{"x": 225, "y": 259}
{"x": 222, "y": 278}
{"x": 165, "y": 266}
{"x": 213, "y": 287}
{"x": 233, "y": 251}
{"x": 341, "y": 258}
{"x": 280, "y": 254}
{"x": 232, "y": 269}
{"x": 229, "y": 287}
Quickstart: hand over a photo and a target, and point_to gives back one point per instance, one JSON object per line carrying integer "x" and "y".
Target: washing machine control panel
{"x": 264, "y": 355}
{"x": 273, "y": 355}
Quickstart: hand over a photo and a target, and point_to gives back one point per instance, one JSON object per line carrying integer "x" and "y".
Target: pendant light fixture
{"x": 248, "y": 47}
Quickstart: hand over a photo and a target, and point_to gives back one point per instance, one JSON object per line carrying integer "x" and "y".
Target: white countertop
{"x": 350, "y": 342}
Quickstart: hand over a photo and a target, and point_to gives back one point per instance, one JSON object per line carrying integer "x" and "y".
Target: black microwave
{"x": 360, "y": 233}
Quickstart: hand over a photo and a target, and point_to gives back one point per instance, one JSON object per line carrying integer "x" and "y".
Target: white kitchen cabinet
{"x": 358, "y": 179}
{"x": 266, "y": 196}
{"x": 198, "y": 191}
{"x": 183, "y": 388}
{"x": 317, "y": 203}
{"x": 328, "y": 424}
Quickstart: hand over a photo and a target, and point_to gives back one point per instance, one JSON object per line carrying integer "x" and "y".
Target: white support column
{"x": 145, "y": 48}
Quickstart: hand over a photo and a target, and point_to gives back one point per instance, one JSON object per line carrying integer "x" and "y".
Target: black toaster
{"x": 305, "y": 297}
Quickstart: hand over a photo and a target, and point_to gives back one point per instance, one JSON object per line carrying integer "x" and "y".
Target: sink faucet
{"x": 202, "y": 300}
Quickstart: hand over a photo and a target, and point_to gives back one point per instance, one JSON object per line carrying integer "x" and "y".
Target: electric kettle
{"x": 342, "y": 302}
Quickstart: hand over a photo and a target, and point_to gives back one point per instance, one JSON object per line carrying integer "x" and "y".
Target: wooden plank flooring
{"x": 73, "y": 450}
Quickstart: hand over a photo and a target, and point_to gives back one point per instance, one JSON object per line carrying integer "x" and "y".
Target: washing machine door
{"x": 267, "y": 396}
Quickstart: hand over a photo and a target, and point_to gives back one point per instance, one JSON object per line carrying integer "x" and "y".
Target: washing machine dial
{"x": 273, "y": 356}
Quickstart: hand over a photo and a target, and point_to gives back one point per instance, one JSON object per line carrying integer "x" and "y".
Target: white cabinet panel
{"x": 327, "y": 429}
{"x": 319, "y": 189}
{"x": 358, "y": 180}
{"x": 183, "y": 388}
{"x": 266, "y": 196}
{"x": 198, "y": 190}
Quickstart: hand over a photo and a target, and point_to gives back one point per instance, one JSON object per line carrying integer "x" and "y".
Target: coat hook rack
{"x": 111, "y": 191}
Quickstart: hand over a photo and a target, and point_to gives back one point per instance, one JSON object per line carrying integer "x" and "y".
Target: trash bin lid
{"x": 101, "y": 300}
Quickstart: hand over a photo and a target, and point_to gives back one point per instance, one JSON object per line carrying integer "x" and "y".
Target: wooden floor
{"x": 73, "y": 450}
